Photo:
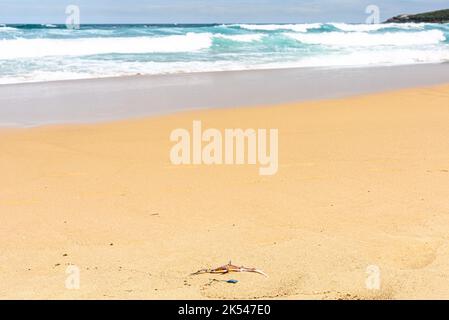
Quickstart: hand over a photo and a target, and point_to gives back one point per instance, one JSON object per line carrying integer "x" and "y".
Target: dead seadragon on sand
{"x": 228, "y": 268}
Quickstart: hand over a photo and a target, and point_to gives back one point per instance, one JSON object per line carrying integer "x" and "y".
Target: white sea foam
{"x": 241, "y": 37}
{"x": 377, "y": 58}
{"x": 5, "y": 28}
{"x": 304, "y": 27}
{"x": 31, "y": 48}
{"x": 360, "y": 58}
{"x": 363, "y": 39}
{"x": 272, "y": 27}
{"x": 39, "y": 76}
{"x": 375, "y": 27}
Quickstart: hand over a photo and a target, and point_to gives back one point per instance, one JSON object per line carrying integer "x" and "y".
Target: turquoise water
{"x": 53, "y": 52}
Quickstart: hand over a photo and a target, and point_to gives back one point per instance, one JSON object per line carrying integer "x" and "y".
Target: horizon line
{"x": 175, "y": 23}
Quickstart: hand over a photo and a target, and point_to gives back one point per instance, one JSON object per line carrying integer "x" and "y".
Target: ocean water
{"x": 30, "y": 53}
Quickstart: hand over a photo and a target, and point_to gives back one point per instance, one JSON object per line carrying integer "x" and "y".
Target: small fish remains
{"x": 228, "y": 268}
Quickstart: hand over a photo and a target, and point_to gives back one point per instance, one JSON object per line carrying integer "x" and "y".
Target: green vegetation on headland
{"x": 440, "y": 16}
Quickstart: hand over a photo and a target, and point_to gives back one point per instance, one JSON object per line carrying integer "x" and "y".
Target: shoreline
{"x": 362, "y": 182}
{"x": 117, "y": 98}
{"x": 139, "y": 75}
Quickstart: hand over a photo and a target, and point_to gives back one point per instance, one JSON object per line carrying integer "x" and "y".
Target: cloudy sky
{"x": 208, "y": 11}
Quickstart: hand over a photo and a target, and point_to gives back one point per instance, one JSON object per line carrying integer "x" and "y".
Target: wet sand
{"x": 90, "y": 101}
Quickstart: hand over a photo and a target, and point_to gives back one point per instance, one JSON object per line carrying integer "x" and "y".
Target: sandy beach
{"x": 363, "y": 181}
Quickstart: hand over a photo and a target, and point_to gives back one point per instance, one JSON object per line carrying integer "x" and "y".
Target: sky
{"x": 209, "y": 11}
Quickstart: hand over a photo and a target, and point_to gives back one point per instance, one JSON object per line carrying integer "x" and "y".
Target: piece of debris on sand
{"x": 228, "y": 268}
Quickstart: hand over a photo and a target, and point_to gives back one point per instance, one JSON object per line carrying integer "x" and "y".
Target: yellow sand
{"x": 362, "y": 181}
